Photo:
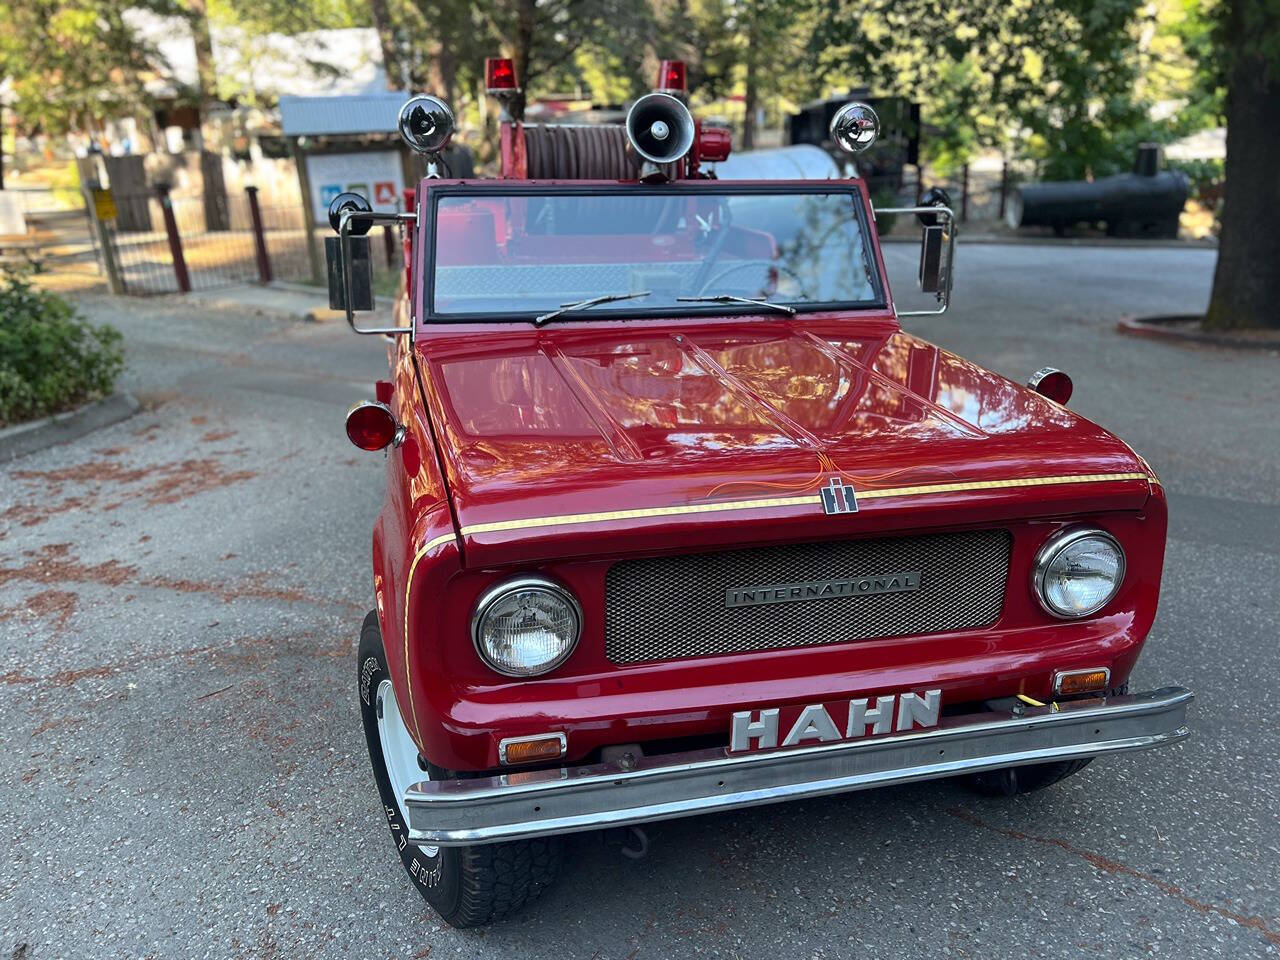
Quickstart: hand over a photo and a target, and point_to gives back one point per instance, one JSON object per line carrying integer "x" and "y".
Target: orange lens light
{"x": 1081, "y": 681}
{"x": 530, "y": 749}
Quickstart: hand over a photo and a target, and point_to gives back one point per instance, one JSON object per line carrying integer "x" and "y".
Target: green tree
{"x": 74, "y": 62}
{"x": 1054, "y": 79}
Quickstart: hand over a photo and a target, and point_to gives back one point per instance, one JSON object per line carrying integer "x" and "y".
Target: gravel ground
{"x": 183, "y": 773}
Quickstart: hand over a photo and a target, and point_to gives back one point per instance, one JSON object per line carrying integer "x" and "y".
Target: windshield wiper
{"x": 590, "y": 302}
{"x": 730, "y": 298}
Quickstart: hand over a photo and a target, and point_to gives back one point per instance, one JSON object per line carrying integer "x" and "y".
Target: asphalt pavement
{"x": 182, "y": 771}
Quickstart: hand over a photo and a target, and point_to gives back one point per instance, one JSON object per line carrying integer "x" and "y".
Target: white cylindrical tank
{"x": 803, "y": 161}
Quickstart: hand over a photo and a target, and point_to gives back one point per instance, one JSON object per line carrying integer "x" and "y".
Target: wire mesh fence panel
{"x": 158, "y": 250}
{"x": 141, "y": 245}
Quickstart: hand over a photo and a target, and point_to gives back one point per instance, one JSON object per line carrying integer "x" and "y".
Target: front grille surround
{"x": 670, "y": 608}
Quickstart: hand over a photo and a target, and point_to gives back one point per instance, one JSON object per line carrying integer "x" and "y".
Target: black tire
{"x": 1011, "y": 781}
{"x": 467, "y": 886}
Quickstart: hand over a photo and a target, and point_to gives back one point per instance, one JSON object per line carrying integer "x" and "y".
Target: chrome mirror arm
{"x": 344, "y": 241}
{"x": 948, "y": 217}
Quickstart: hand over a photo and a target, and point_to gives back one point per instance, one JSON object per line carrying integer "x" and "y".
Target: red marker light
{"x": 1051, "y": 383}
{"x": 671, "y": 77}
{"x": 371, "y": 425}
{"x": 714, "y": 144}
{"x": 499, "y": 75}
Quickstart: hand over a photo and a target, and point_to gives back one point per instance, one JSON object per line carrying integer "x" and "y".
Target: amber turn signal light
{"x": 1081, "y": 681}
{"x": 549, "y": 746}
{"x": 372, "y": 426}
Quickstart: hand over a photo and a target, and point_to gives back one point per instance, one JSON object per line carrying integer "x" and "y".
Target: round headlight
{"x": 526, "y": 626}
{"x": 1077, "y": 572}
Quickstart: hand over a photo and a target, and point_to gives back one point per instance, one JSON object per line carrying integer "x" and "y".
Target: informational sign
{"x": 104, "y": 204}
{"x": 377, "y": 176}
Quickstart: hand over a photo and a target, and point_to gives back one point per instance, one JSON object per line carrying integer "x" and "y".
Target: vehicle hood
{"x": 580, "y": 441}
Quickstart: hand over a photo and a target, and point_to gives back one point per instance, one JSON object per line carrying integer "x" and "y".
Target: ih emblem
{"x": 838, "y": 497}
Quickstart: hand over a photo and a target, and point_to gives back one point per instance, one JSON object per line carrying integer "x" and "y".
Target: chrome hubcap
{"x": 399, "y": 753}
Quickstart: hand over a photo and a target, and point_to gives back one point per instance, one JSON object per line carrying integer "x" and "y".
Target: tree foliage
{"x": 72, "y": 61}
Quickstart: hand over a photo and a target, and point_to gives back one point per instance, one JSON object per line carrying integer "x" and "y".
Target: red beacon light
{"x": 1052, "y": 383}
{"x": 500, "y": 76}
{"x": 372, "y": 426}
{"x": 671, "y": 78}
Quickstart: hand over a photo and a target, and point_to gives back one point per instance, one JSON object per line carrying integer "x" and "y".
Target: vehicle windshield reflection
{"x": 525, "y": 254}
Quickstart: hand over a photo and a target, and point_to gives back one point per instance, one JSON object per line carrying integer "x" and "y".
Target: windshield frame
{"x": 438, "y": 191}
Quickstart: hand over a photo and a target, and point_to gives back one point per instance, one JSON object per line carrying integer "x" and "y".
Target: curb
{"x": 24, "y": 438}
{"x": 1115, "y": 242}
{"x": 1155, "y": 328}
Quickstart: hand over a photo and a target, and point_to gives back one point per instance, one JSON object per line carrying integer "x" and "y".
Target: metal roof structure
{"x": 341, "y": 115}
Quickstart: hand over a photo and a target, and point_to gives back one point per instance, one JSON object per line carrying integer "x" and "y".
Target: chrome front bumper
{"x": 545, "y": 802}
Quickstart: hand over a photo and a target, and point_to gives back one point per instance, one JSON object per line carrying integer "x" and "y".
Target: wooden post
{"x": 175, "y": 241}
{"x": 308, "y": 215}
{"x": 114, "y": 280}
{"x": 1004, "y": 185}
{"x": 964, "y": 197}
{"x": 259, "y": 238}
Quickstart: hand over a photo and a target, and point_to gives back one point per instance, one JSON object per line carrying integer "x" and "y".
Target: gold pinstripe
{"x": 807, "y": 499}
{"x": 695, "y": 508}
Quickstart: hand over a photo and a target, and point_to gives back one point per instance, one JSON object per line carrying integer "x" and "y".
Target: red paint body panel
{"x": 515, "y": 434}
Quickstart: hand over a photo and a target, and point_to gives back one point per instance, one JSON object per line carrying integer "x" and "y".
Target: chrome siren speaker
{"x": 855, "y": 127}
{"x": 426, "y": 124}
{"x": 659, "y": 130}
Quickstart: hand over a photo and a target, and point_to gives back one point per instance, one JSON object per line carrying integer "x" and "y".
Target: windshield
{"x": 636, "y": 250}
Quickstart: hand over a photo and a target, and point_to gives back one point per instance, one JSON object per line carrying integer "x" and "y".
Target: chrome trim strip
{"x": 565, "y": 800}
{"x": 507, "y": 741}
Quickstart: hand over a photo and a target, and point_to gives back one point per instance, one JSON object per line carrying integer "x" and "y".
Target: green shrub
{"x": 51, "y": 359}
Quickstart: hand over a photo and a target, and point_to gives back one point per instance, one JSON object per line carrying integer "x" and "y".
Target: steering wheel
{"x": 712, "y": 284}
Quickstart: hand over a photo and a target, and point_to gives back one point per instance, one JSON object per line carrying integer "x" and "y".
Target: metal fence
{"x": 162, "y": 244}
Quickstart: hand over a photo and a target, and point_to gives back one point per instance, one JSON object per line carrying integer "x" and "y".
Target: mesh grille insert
{"x": 664, "y": 608}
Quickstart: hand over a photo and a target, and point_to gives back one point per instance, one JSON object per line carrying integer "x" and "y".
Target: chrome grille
{"x": 664, "y": 608}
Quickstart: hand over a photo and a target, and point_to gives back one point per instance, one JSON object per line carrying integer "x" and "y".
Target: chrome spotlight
{"x": 855, "y": 127}
{"x": 426, "y": 124}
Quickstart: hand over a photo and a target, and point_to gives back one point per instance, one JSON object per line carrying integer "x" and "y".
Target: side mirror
{"x": 358, "y": 266}
{"x": 349, "y": 264}
{"x": 937, "y": 247}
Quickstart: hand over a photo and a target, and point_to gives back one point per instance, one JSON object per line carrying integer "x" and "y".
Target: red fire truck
{"x": 679, "y": 519}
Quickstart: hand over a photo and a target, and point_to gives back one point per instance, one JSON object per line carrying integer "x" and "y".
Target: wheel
{"x": 1014, "y": 780}
{"x": 467, "y": 886}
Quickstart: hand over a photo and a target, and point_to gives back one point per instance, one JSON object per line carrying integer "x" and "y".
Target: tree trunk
{"x": 1246, "y": 283}
{"x": 522, "y": 54}
{"x": 206, "y": 76}
{"x": 750, "y": 99}
{"x": 381, "y": 16}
